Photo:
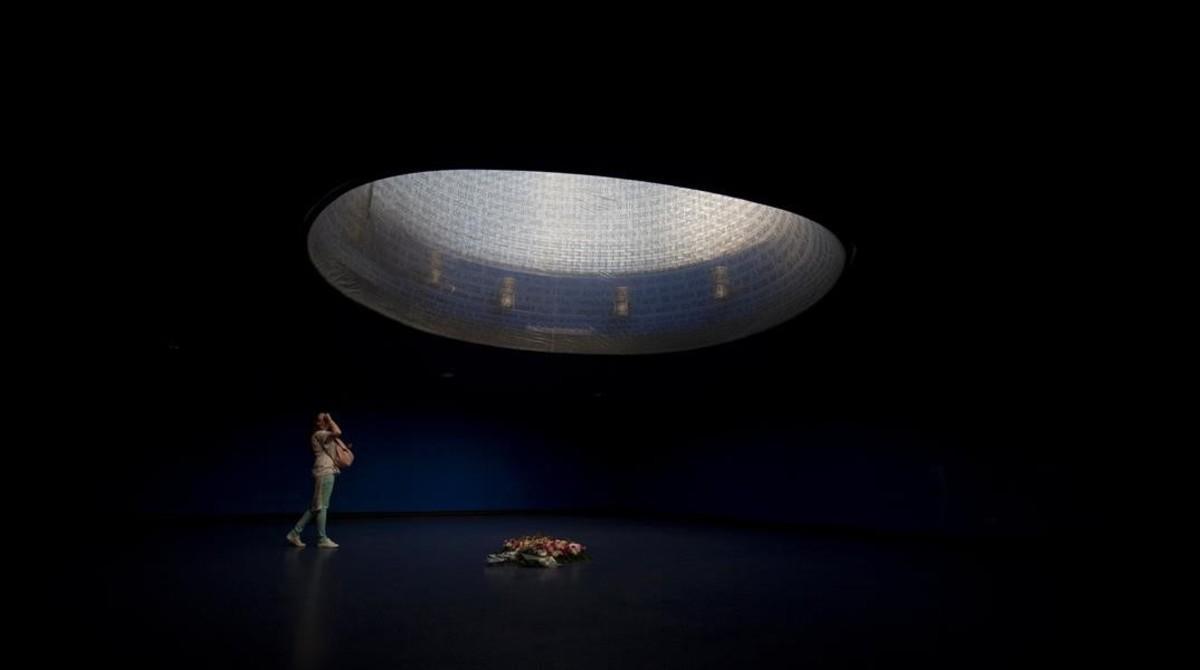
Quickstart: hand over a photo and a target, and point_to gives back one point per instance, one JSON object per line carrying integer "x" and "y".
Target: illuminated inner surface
{"x": 571, "y": 263}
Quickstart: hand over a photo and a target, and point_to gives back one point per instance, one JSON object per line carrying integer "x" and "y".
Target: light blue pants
{"x": 322, "y": 489}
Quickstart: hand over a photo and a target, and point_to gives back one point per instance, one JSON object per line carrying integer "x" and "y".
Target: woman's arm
{"x": 333, "y": 427}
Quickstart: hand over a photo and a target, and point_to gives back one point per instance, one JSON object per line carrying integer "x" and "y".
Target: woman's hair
{"x": 318, "y": 424}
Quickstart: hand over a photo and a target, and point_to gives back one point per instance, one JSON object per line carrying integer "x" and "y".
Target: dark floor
{"x": 415, "y": 593}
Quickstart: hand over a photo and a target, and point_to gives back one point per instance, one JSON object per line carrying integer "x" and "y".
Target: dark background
{"x": 993, "y": 366}
{"x": 969, "y": 375}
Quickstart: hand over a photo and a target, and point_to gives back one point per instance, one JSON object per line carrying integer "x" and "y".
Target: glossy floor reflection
{"x": 415, "y": 593}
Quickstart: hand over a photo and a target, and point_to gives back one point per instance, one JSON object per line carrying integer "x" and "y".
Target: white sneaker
{"x": 294, "y": 539}
{"x": 326, "y": 543}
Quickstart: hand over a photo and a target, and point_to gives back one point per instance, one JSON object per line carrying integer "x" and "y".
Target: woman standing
{"x": 324, "y": 444}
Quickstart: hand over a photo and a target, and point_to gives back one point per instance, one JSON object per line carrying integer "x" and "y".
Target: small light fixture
{"x": 621, "y": 301}
{"x": 435, "y": 269}
{"x": 721, "y": 282}
{"x": 508, "y": 293}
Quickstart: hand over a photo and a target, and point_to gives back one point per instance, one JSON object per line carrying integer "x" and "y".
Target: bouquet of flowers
{"x": 539, "y": 551}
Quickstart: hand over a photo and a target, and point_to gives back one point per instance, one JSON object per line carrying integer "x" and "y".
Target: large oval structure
{"x": 571, "y": 263}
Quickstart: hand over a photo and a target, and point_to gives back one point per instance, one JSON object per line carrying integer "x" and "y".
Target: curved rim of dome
{"x": 845, "y": 236}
